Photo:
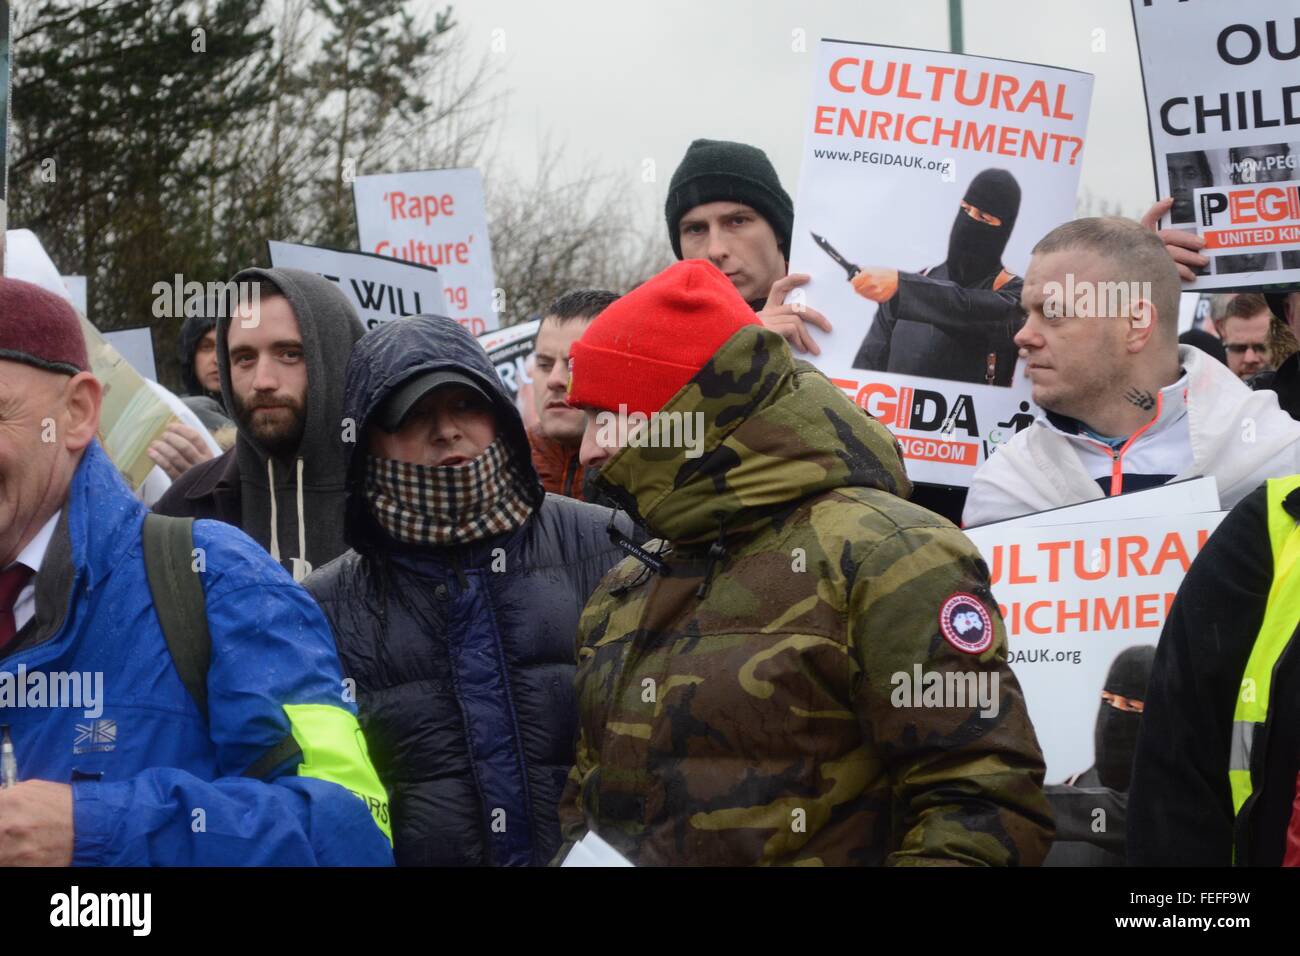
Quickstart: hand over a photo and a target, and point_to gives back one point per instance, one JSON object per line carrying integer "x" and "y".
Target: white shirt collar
{"x": 34, "y": 553}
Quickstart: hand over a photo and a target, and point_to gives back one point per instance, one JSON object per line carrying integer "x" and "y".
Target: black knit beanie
{"x": 718, "y": 171}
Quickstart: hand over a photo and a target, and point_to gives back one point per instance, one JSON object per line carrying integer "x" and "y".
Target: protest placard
{"x": 509, "y": 350}
{"x": 437, "y": 218}
{"x": 1223, "y": 105}
{"x": 379, "y": 288}
{"x": 926, "y": 179}
{"x": 77, "y": 289}
{"x": 1189, "y": 496}
{"x": 136, "y": 346}
{"x": 132, "y": 417}
{"x": 1073, "y": 597}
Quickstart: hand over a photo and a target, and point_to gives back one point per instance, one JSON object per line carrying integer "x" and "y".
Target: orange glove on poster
{"x": 878, "y": 285}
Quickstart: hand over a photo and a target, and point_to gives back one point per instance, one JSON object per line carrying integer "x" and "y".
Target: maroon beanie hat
{"x": 643, "y": 348}
{"x": 41, "y": 329}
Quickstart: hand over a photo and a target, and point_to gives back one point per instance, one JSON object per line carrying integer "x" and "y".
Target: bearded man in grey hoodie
{"x": 282, "y": 354}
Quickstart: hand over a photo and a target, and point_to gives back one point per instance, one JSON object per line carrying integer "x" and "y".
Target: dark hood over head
{"x": 192, "y": 331}
{"x": 389, "y": 356}
{"x": 329, "y": 327}
{"x": 975, "y": 248}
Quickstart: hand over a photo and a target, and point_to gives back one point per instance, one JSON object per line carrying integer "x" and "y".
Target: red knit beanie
{"x": 642, "y": 349}
{"x": 39, "y": 328}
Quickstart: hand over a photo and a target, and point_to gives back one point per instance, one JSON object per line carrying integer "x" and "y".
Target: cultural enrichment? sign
{"x": 1223, "y": 102}
{"x": 926, "y": 179}
{"x": 1073, "y": 597}
{"x": 435, "y": 218}
{"x": 380, "y": 289}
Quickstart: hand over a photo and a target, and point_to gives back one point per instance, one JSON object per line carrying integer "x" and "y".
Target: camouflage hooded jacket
{"x": 745, "y": 704}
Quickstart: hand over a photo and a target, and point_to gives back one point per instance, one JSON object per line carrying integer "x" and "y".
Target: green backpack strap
{"x": 179, "y": 600}
{"x": 182, "y": 610}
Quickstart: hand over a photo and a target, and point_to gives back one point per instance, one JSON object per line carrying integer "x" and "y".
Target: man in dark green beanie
{"x": 725, "y": 204}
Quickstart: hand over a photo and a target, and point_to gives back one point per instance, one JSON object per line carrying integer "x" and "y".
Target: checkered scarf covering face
{"x": 451, "y": 504}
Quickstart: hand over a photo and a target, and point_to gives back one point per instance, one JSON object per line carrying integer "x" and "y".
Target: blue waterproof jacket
{"x": 92, "y": 698}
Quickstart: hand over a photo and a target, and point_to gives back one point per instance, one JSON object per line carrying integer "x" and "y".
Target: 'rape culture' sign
{"x": 435, "y": 218}
{"x": 1073, "y": 596}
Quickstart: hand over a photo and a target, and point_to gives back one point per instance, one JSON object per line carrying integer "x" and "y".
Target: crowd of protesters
{"x": 392, "y": 622}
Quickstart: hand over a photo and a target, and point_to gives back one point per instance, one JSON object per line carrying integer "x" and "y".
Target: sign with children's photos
{"x": 926, "y": 179}
{"x": 1223, "y": 102}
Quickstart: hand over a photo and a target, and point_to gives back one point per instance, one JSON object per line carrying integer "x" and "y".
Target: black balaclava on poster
{"x": 1116, "y": 734}
{"x": 975, "y": 248}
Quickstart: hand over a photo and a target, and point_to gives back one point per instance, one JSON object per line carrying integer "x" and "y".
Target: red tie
{"x": 12, "y": 581}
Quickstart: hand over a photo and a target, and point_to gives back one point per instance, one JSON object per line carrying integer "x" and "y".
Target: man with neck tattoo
{"x": 455, "y": 608}
{"x": 1125, "y": 407}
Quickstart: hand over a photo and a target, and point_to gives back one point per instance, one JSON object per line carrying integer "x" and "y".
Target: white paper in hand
{"x": 591, "y": 850}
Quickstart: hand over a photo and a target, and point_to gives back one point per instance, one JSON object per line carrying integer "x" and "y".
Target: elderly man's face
{"x": 46, "y": 421}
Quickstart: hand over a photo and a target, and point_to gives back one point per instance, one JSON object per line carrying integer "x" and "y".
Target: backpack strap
{"x": 179, "y": 600}
{"x": 182, "y": 610}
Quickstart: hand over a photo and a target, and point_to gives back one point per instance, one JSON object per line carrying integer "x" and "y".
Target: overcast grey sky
{"x": 621, "y": 82}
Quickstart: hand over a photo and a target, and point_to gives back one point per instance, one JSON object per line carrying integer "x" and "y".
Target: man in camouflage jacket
{"x": 741, "y": 695}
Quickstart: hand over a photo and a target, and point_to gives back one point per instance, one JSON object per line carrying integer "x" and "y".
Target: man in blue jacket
{"x": 113, "y": 761}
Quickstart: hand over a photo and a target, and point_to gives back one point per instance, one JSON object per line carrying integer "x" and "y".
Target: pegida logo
{"x": 923, "y": 410}
{"x": 917, "y": 409}
{"x": 1252, "y": 205}
{"x": 1249, "y": 218}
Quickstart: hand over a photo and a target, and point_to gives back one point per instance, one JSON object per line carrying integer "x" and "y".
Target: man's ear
{"x": 83, "y": 399}
{"x": 1143, "y": 318}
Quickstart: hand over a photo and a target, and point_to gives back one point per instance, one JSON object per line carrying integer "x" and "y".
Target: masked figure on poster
{"x": 955, "y": 320}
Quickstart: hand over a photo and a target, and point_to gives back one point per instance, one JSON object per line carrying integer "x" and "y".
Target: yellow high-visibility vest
{"x": 1280, "y": 619}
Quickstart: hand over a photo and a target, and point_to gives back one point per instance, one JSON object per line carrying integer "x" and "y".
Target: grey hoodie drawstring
{"x": 301, "y": 566}
{"x": 270, "y": 483}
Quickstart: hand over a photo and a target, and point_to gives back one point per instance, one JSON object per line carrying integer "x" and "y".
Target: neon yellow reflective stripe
{"x": 334, "y": 749}
{"x": 1280, "y": 617}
